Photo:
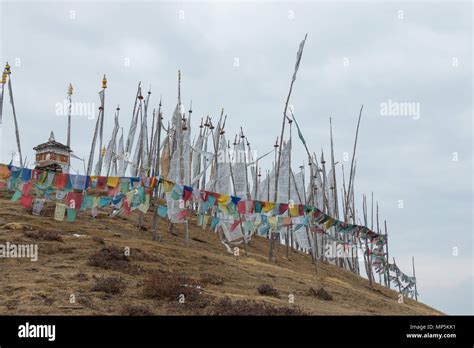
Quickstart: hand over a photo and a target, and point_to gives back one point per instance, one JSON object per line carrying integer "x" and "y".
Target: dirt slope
{"x": 150, "y": 280}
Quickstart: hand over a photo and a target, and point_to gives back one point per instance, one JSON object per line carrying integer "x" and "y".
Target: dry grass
{"x": 131, "y": 310}
{"x": 250, "y": 307}
{"x": 110, "y": 285}
{"x": 155, "y": 273}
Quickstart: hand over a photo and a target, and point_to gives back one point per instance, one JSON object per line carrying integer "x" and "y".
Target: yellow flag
{"x": 328, "y": 223}
{"x": 294, "y": 210}
{"x": 167, "y": 186}
{"x": 223, "y": 199}
{"x": 113, "y": 181}
{"x": 267, "y": 206}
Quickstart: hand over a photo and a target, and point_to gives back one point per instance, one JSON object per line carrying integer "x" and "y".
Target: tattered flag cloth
{"x": 26, "y": 201}
{"x": 16, "y": 196}
{"x": 71, "y": 215}
{"x": 87, "y": 202}
{"x": 74, "y": 200}
{"x": 60, "y": 180}
{"x": 26, "y": 174}
{"x": 268, "y": 206}
{"x": 129, "y": 193}
{"x": 4, "y": 172}
{"x": 38, "y": 206}
{"x": 79, "y": 182}
{"x": 60, "y": 211}
{"x": 188, "y": 193}
{"x": 162, "y": 211}
{"x": 113, "y": 181}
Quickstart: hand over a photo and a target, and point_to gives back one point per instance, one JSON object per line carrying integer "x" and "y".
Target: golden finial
{"x": 7, "y": 69}
{"x": 104, "y": 82}
{"x": 70, "y": 89}
{"x": 4, "y": 77}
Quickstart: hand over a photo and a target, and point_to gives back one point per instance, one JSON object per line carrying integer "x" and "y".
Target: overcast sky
{"x": 240, "y": 56}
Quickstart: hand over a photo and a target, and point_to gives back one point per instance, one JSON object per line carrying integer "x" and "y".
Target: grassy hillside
{"x": 86, "y": 259}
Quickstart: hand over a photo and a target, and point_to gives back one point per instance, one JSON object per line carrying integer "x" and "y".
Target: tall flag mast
{"x": 17, "y": 133}
{"x": 98, "y": 129}
{"x": 4, "y": 80}
{"x": 70, "y": 89}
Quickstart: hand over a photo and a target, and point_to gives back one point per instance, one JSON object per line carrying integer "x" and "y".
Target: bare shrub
{"x": 170, "y": 286}
{"x": 98, "y": 239}
{"x": 109, "y": 285}
{"x": 43, "y": 235}
{"x": 136, "y": 310}
{"x": 249, "y": 307}
{"x": 321, "y": 293}
{"x": 213, "y": 279}
{"x": 267, "y": 290}
{"x": 109, "y": 258}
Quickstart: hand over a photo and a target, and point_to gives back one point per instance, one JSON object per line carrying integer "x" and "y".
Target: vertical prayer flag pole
{"x": 69, "y": 97}
{"x": 96, "y": 131}
{"x": 414, "y": 276}
{"x": 351, "y": 184}
{"x": 17, "y": 132}
{"x": 234, "y": 191}
{"x": 367, "y": 251}
{"x": 288, "y": 229}
{"x": 101, "y": 128}
{"x": 312, "y": 171}
{"x": 132, "y": 130}
{"x": 397, "y": 276}
{"x": 270, "y": 232}
{"x": 387, "y": 272}
{"x": 333, "y": 166}
{"x": 4, "y": 80}
{"x": 379, "y": 232}
{"x": 299, "y": 54}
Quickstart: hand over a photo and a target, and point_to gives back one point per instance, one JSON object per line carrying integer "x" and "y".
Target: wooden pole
{"x": 298, "y": 59}
{"x": 17, "y": 132}
{"x": 69, "y": 94}
{"x": 270, "y": 232}
{"x": 233, "y": 189}
{"x": 398, "y": 277}
{"x": 378, "y": 231}
{"x": 387, "y": 272}
{"x": 288, "y": 230}
{"x": 367, "y": 250}
{"x": 350, "y": 185}
{"x": 4, "y": 80}
{"x": 414, "y": 276}
{"x": 157, "y": 173}
{"x": 101, "y": 127}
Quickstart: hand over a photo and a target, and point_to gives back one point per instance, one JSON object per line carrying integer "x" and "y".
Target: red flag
{"x": 60, "y": 180}
{"x": 26, "y": 201}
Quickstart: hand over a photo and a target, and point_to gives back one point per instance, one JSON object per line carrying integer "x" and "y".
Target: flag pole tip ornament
{"x": 70, "y": 89}
{"x": 104, "y": 82}
{"x": 8, "y": 69}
